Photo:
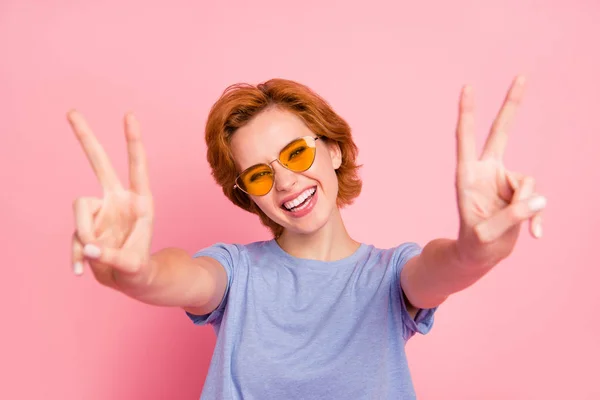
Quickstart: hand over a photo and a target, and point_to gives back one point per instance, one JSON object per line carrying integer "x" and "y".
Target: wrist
{"x": 470, "y": 256}
{"x": 138, "y": 284}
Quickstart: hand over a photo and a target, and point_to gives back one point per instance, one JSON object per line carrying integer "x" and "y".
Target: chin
{"x": 311, "y": 223}
{"x": 305, "y": 229}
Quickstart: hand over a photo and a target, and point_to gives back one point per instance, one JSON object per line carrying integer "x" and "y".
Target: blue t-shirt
{"x": 291, "y": 328}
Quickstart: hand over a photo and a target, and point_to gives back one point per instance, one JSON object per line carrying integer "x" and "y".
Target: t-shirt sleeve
{"x": 227, "y": 255}
{"x": 423, "y": 320}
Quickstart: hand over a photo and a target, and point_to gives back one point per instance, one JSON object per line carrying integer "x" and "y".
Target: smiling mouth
{"x": 300, "y": 202}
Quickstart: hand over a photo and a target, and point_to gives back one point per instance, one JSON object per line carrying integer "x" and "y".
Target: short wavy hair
{"x": 241, "y": 102}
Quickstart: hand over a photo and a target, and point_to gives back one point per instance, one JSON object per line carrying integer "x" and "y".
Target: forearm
{"x": 438, "y": 272}
{"x": 175, "y": 279}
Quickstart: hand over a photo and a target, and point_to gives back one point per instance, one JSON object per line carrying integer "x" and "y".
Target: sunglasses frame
{"x": 236, "y": 186}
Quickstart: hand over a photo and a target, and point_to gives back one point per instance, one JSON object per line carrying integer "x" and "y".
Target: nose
{"x": 284, "y": 178}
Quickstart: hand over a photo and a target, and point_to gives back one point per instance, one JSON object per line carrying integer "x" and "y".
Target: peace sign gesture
{"x": 492, "y": 201}
{"x": 114, "y": 233}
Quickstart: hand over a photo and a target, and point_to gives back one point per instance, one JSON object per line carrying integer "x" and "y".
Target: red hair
{"x": 241, "y": 102}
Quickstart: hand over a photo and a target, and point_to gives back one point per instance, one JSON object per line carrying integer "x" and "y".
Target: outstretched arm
{"x": 113, "y": 234}
{"x": 492, "y": 204}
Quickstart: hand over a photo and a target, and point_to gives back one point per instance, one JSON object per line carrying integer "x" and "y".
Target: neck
{"x": 331, "y": 242}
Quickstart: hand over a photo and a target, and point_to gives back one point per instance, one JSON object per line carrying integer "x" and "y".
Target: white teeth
{"x": 298, "y": 200}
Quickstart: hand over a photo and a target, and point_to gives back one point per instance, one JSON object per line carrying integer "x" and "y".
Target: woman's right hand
{"x": 114, "y": 233}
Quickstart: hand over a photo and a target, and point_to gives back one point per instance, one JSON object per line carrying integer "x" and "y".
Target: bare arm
{"x": 429, "y": 278}
{"x": 177, "y": 280}
{"x": 493, "y": 202}
{"x": 114, "y": 234}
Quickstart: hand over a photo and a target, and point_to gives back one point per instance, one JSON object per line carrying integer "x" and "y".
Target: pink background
{"x": 529, "y": 330}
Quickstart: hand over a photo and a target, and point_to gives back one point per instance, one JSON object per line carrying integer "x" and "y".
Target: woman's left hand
{"x": 492, "y": 201}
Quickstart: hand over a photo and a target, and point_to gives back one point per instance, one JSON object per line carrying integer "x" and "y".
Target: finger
{"x": 122, "y": 260}
{"x": 494, "y": 227}
{"x": 77, "y": 258}
{"x": 495, "y": 144}
{"x": 508, "y": 183}
{"x": 95, "y": 153}
{"x": 535, "y": 225}
{"x": 529, "y": 191}
{"x": 525, "y": 190}
{"x": 521, "y": 209}
{"x": 466, "y": 147}
{"x": 515, "y": 180}
{"x": 84, "y": 209}
{"x": 138, "y": 165}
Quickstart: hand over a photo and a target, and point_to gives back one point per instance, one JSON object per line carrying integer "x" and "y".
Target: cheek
{"x": 266, "y": 204}
{"x": 332, "y": 185}
{"x": 326, "y": 175}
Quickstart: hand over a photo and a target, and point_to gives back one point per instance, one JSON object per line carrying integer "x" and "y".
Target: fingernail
{"x": 537, "y": 231}
{"x": 91, "y": 251}
{"x": 537, "y": 203}
{"x": 78, "y": 268}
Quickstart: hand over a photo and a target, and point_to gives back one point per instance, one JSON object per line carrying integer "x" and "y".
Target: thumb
{"x": 123, "y": 260}
{"x": 524, "y": 205}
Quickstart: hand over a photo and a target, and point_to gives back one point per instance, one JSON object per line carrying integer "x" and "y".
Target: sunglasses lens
{"x": 299, "y": 155}
{"x": 256, "y": 180}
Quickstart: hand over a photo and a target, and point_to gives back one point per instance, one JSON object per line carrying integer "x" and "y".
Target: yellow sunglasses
{"x": 298, "y": 156}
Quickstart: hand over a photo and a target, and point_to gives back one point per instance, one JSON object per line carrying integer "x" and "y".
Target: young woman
{"x": 312, "y": 313}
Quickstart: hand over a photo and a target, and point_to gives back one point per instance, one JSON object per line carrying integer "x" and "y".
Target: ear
{"x": 335, "y": 153}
